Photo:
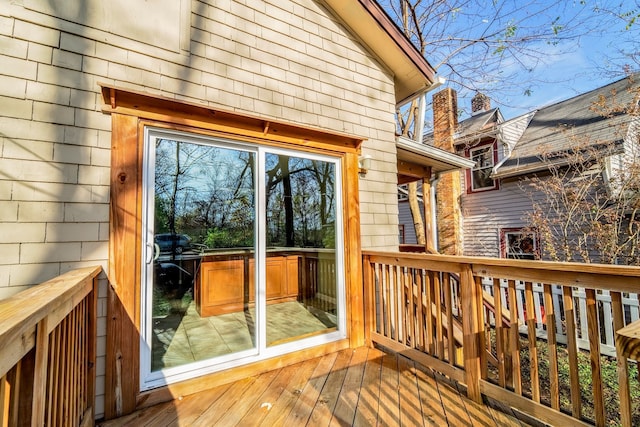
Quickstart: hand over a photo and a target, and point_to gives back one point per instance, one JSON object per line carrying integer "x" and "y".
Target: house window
{"x": 519, "y": 244}
{"x": 401, "y": 237}
{"x": 480, "y": 175}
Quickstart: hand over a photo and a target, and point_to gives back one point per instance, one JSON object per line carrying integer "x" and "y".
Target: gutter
{"x": 478, "y": 135}
{"x": 539, "y": 164}
{"x": 441, "y": 156}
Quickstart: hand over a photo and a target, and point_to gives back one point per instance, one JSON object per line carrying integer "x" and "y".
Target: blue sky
{"x": 583, "y": 57}
{"x": 567, "y": 74}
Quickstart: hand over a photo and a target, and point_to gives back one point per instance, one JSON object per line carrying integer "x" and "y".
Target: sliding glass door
{"x": 242, "y": 254}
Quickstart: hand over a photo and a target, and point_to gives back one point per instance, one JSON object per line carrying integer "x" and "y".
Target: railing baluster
{"x": 497, "y": 301}
{"x": 84, "y": 357}
{"x": 514, "y": 338}
{"x": 52, "y": 385}
{"x": 594, "y": 343}
{"x": 411, "y": 309}
{"x": 387, "y": 300}
{"x": 5, "y": 405}
{"x": 437, "y": 291}
{"x": 397, "y": 286}
{"x": 572, "y": 346}
{"x": 533, "y": 350}
{"x": 393, "y": 318}
{"x": 40, "y": 374}
{"x": 73, "y": 365}
{"x": 621, "y": 363}
{"x": 428, "y": 311}
{"x": 482, "y": 346}
{"x": 66, "y": 374}
{"x": 417, "y": 277}
{"x": 369, "y": 300}
{"x": 59, "y": 378}
{"x": 10, "y": 396}
{"x": 554, "y": 385}
{"x": 404, "y": 308}
{"x": 451, "y": 343}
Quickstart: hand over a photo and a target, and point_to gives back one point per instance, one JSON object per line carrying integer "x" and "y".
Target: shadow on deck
{"x": 361, "y": 387}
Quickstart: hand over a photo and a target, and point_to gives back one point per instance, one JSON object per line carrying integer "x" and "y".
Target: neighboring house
{"x": 236, "y": 127}
{"x": 497, "y": 195}
{"x": 477, "y": 139}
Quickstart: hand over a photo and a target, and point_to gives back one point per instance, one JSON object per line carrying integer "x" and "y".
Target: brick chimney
{"x": 479, "y": 103}
{"x": 448, "y": 190}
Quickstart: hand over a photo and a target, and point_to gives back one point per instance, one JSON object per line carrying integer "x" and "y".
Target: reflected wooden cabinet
{"x": 226, "y": 284}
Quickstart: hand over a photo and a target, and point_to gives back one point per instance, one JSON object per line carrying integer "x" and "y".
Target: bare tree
{"x": 491, "y": 47}
{"x": 586, "y": 208}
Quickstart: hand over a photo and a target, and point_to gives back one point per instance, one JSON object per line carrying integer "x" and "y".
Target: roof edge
{"x": 446, "y": 161}
{"x": 385, "y": 21}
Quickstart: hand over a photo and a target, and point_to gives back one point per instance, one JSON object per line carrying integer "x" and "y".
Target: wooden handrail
{"x": 401, "y": 286}
{"x": 43, "y": 330}
{"x": 595, "y": 276}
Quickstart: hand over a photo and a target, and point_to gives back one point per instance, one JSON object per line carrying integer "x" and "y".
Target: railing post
{"x": 621, "y": 356}
{"x": 369, "y": 299}
{"x": 472, "y": 329}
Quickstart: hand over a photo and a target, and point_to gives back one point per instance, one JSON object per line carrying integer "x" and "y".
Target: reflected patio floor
{"x": 183, "y": 336}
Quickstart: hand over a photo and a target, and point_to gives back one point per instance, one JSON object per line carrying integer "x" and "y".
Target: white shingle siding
{"x": 286, "y": 60}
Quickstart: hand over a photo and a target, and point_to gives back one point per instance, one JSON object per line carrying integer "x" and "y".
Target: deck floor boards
{"x": 361, "y": 387}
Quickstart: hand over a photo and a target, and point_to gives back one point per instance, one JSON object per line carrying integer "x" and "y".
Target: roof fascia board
{"x": 477, "y": 136}
{"x": 445, "y": 160}
{"x": 501, "y": 171}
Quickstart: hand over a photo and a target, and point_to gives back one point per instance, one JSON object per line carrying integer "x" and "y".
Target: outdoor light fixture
{"x": 364, "y": 163}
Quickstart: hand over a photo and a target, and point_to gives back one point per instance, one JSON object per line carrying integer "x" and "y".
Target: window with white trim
{"x": 480, "y": 175}
{"x": 519, "y": 244}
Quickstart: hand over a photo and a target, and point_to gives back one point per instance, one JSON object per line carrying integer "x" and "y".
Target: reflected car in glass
{"x": 177, "y": 243}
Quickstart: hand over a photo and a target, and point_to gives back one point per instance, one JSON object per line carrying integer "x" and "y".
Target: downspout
{"x": 422, "y": 106}
{"x": 434, "y": 212}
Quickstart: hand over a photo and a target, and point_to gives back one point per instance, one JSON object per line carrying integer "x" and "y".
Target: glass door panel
{"x": 202, "y": 303}
{"x": 301, "y": 285}
{"x": 243, "y": 247}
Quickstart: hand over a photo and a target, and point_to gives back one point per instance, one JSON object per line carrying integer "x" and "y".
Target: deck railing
{"x": 48, "y": 352}
{"x": 441, "y": 311}
{"x": 630, "y": 308}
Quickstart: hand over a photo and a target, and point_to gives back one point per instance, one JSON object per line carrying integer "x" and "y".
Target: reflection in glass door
{"x": 301, "y": 247}
{"x": 203, "y": 242}
{"x": 241, "y": 257}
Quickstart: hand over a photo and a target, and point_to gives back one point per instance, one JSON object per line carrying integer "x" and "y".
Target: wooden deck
{"x": 362, "y": 387}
